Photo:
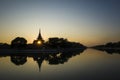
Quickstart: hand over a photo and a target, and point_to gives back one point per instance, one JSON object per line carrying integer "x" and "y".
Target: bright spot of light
{"x": 39, "y": 42}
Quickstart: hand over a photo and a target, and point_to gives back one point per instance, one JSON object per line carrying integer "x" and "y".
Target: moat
{"x": 86, "y": 64}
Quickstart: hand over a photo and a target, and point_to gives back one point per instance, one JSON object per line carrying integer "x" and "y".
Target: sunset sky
{"x": 89, "y": 22}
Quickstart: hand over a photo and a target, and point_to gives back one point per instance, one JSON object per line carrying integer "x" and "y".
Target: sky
{"x": 89, "y": 22}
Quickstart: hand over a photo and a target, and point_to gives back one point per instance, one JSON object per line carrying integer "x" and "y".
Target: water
{"x": 87, "y": 65}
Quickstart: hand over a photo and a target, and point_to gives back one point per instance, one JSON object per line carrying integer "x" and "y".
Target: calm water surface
{"x": 88, "y": 65}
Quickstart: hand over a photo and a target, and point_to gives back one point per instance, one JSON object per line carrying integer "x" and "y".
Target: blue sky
{"x": 89, "y": 22}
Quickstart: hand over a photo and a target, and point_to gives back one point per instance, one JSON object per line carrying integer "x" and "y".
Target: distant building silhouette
{"x": 39, "y": 40}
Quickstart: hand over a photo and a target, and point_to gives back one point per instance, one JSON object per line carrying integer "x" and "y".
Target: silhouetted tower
{"x": 39, "y": 35}
{"x": 39, "y": 40}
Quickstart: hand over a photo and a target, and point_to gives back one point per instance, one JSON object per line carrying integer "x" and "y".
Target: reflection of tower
{"x": 39, "y": 61}
{"x": 39, "y": 40}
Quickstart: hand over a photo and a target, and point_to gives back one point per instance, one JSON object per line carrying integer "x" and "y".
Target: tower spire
{"x": 39, "y": 31}
{"x": 39, "y": 35}
{"x": 39, "y": 39}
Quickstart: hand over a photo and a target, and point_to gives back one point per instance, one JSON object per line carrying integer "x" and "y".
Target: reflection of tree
{"x": 110, "y": 47}
{"x": 52, "y": 58}
{"x": 56, "y": 58}
{"x": 109, "y": 51}
{"x": 19, "y": 60}
{"x": 60, "y": 58}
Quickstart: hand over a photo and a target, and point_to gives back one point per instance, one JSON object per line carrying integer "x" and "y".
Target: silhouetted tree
{"x": 109, "y": 47}
{"x": 4, "y": 46}
{"x": 56, "y": 42}
{"x": 110, "y": 44}
{"x": 19, "y": 42}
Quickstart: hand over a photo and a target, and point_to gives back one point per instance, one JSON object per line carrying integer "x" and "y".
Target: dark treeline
{"x": 21, "y": 43}
{"x": 111, "y": 47}
{"x": 4, "y": 46}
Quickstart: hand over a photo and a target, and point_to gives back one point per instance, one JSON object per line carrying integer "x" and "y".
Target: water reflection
{"x": 109, "y": 51}
{"x": 18, "y": 60}
{"x": 78, "y": 65}
{"x": 53, "y": 58}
